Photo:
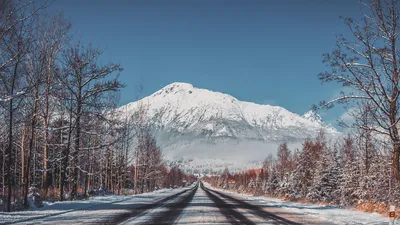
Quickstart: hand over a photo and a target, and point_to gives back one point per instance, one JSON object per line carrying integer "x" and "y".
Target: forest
{"x": 61, "y": 132}
{"x": 355, "y": 171}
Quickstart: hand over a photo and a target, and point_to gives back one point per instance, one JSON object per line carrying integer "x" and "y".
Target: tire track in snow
{"x": 136, "y": 212}
{"x": 174, "y": 210}
{"x": 233, "y": 216}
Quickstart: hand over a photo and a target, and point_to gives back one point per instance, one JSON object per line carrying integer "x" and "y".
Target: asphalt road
{"x": 200, "y": 205}
{"x": 191, "y": 205}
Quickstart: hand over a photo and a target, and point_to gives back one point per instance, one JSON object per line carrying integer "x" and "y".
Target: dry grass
{"x": 53, "y": 194}
{"x": 380, "y": 208}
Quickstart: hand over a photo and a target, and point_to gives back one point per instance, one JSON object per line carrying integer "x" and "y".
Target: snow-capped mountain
{"x": 185, "y": 117}
{"x": 312, "y": 116}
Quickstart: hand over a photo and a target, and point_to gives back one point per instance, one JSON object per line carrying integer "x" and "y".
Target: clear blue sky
{"x": 259, "y": 51}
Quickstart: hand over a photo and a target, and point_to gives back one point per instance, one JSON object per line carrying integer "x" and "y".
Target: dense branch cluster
{"x": 367, "y": 65}
{"x": 60, "y": 130}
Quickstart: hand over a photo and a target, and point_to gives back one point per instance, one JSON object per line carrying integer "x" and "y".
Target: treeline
{"x": 353, "y": 171}
{"x": 149, "y": 171}
{"x": 60, "y": 129}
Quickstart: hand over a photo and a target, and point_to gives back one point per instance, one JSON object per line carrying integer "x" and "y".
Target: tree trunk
{"x": 395, "y": 163}
{"x": 23, "y": 157}
{"x": 101, "y": 172}
{"x": 77, "y": 142}
{"x": 45, "y": 134}
{"x": 394, "y": 134}
{"x": 9, "y": 148}
{"x": 10, "y": 136}
{"x": 3, "y": 177}
{"x": 31, "y": 139}
{"x": 65, "y": 160}
{"x": 86, "y": 184}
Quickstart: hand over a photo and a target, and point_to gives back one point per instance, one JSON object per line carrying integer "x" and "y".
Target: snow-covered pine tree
{"x": 349, "y": 180}
{"x": 326, "y": 178}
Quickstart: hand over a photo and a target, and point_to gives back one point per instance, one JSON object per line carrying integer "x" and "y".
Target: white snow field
{"x": 314, "y": 214}
{"x": 89, "y": 211}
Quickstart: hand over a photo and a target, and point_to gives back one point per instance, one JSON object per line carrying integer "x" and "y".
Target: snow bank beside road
{"x": 325, "y": 214}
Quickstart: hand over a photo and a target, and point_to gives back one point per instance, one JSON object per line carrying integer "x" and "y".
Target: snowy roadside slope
{"x": 88, "y": 211}
{"x": 325, "y": 214}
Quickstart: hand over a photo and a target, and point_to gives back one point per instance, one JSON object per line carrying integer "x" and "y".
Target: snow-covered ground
{"x": 323, "y": 214}
{"x": 201, "y": 210}
{"x": 88, "y": 211}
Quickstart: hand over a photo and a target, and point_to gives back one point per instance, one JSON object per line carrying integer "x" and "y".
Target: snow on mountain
{"x": 187, "y": 118}
{"x": 312, "y": 116}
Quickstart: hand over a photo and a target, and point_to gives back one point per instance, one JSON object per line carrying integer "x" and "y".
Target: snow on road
{"x": 247, "y": 213}
{"x": 88, "y": 211}
{"x": 202, "y": 210}
{"x": 318, "y": 213}
{"x": 165, "y": 213}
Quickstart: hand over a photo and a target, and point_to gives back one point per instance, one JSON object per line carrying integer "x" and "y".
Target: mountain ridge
{"x": 183, "y": 107}
{"x": 195, "y": 122}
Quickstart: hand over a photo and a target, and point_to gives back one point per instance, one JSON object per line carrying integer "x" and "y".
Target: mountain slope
{"x": 185, "y": 117}
{"x": 182, "y": 109}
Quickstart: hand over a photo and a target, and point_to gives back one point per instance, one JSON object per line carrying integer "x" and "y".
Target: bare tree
{"x": 16, "y": 46}
{"x": 13, "y": 14}
{"x": 59, "y": 124}
{"x": 368, "y": 65}
{"x": 88, "y": 82}
{"x": 33, "y": 68}
{"x": 52, "y": 35}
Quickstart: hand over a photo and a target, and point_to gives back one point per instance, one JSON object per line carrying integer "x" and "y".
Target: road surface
{"x": 201, "y": 205}
{"x": 193, "y": 205}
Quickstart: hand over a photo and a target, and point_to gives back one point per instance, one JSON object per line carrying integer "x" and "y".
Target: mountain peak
{"x": 173, "y": 88}
{"x": 312, "y": 116}
{"x": 179, "y": 85}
